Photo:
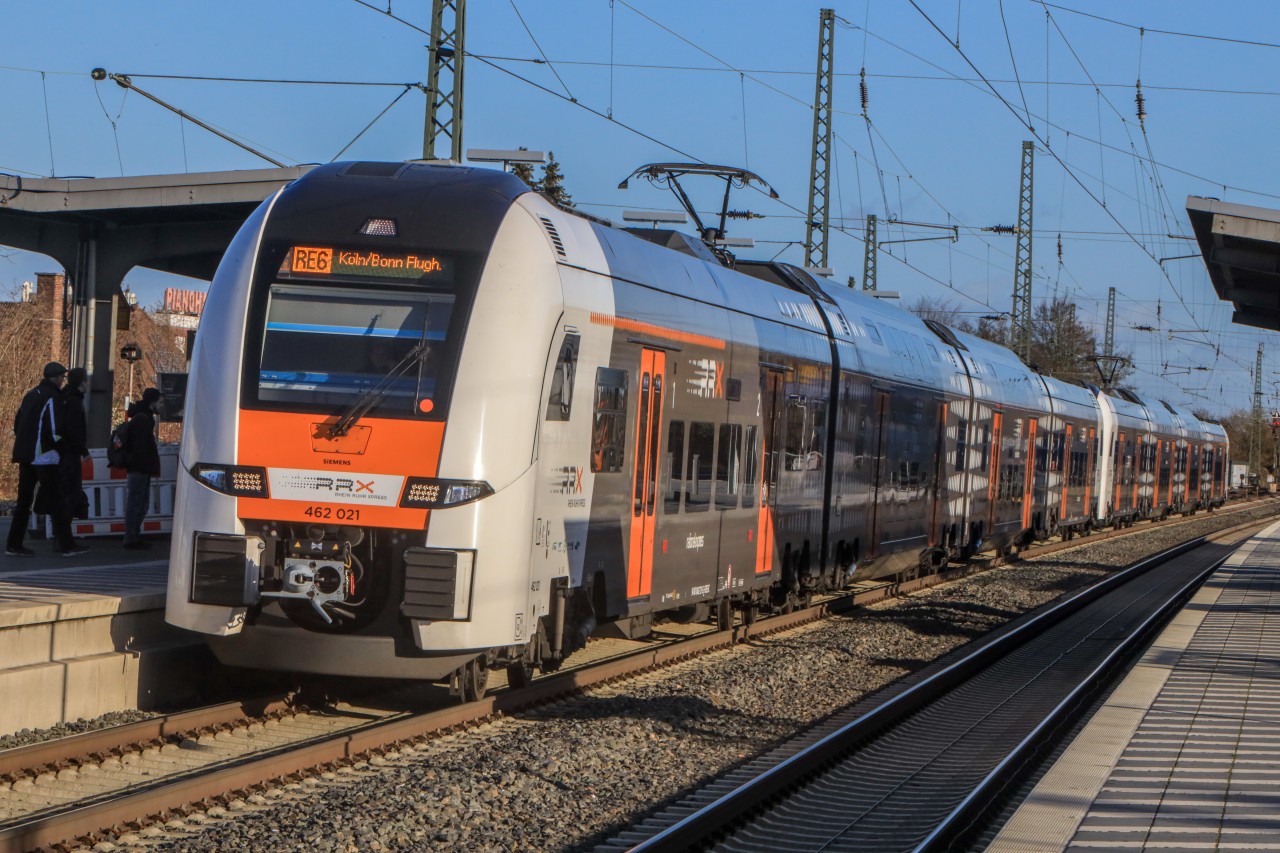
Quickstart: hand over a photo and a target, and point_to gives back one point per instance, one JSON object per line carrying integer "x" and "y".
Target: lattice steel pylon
{"x": 869, "y": 259}
{"x": 1109, "y": 340}
{"x": 1255, "y": 436}
{"x": 1021, "y": 313}
{"x": 444, "y": 78}
{"x": 817, "y": 226}
{"x": 1109, "y": 363}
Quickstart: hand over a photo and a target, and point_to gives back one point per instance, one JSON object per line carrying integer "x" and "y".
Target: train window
{"x": 750, "y": 467}
{"x": 608, "y": 432}
{"x": 962, "y": 442}
{"x": 698, "y": 482}
{"x": 330, "y": 346}
{"x": 793, "y": 450}
{"x": 728, "y": 466}
{"x": 985, "y": 465}
{"x": 560, "y": 401}
{"x": 873, "y": 332}
{"x": 806, "y": 432}
{"x": 675, "y": 468}
{"x": 642, "y": 448}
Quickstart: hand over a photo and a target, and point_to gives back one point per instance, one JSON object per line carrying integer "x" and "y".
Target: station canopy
{"x": 1241, "y": 249}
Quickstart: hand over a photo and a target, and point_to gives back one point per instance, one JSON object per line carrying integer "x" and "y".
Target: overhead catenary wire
{"x": 1096, "y": 17}
{"x": 1146, "y": 189}
{"x": 542, "y": 52}
{"x": 1051, "y": 152}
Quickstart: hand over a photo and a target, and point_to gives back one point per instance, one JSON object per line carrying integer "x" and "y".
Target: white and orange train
{"x": 437, "y": 425}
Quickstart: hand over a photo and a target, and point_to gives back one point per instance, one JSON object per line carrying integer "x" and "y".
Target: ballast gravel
{"x": 571, "y": 775}
{"x": 23, "y": 737}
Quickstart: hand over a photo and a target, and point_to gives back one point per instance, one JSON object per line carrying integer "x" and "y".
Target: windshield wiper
{"x": 370, "y": 398}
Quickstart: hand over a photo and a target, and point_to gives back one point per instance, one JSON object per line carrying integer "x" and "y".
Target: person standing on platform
{"x": 142, "y": 461}
{"x": 35, "y": 450}
{"x": 75, "y": 443}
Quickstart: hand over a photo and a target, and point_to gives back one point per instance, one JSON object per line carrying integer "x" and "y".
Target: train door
{"x": 1091, "y": 467}
{"x": 645, "y": 452}
{"x": 1029, "y": 474}
{"x": 771, "y": 403}
{"x": 879, "y": 473}
{"x": 954, "y": 471}
{"x": 1118, "y": 472}
{"x": 1160, "y": 499}
{"x": 994, "y": 469}
{"x": 936, "y": 534}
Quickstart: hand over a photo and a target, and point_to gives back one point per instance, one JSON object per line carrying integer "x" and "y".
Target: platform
{"x": 84, "y": 636}
{"x": 1185, "y": 754}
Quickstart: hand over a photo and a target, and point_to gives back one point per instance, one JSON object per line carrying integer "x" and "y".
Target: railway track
{"x": 921, "y": 768}
{"x": 232, "y": 773}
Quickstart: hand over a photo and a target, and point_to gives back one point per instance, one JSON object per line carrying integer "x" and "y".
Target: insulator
{"x": 862, "y": 87}
{"x": 1001, "y": 229}
{"x": 1059, "y": 248}
{"x": 743, "y": 214}
{"x": 1142, "y": 105}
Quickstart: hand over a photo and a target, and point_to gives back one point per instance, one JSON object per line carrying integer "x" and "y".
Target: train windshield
{"x": 328, "y": 346}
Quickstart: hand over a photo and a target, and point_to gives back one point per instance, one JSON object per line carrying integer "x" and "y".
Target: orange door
{"x": 645, "y": 452}
{"x": 1029, "y": 475}
{"x": 1090, "y": 467}
{"x": 773, "y": 398}
{"x": 993, "y": 473}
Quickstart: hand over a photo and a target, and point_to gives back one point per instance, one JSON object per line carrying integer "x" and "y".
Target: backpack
{"x": 117, "y": 455}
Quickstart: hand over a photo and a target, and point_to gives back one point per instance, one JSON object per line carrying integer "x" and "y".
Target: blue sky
{"x": 731, "y": 82}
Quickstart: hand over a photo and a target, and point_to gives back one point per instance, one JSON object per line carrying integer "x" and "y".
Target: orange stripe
{"x": 641, "y": 327}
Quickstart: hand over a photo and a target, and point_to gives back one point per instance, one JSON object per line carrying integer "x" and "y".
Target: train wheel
{"x": 520, "y": 674}
{"x": 724, "y": 615}
{"x": 471, "y": 680}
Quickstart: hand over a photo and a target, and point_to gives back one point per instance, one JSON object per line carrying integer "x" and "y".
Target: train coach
{"x": 437, "y": 425}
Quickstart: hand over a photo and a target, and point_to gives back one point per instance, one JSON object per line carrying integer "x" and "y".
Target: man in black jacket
{"x": 142, "y": 456}
{"x": 35, "y": 448}
{"x": 75, "y": 443}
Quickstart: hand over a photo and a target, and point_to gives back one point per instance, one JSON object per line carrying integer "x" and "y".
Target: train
{"x": 438, "y": 426}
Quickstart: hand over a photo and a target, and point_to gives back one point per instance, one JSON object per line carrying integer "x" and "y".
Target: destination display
{"x": 327, "y": 261}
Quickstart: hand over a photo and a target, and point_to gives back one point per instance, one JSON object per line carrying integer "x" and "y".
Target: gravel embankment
{"x": 567, "y": 777}
{"x": 23, "y": 737}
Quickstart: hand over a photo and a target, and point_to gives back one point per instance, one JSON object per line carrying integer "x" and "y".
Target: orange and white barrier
{"x": 105, "y": 488}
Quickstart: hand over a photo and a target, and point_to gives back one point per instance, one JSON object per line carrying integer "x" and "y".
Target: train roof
{"x": 998, "y": 374}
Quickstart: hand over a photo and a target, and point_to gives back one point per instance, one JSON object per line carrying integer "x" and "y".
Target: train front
{"x": 326, "y": 521}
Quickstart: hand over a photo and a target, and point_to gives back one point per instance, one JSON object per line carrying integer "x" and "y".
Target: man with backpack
{"x": 142, "y": 461}
{"x": 36, "y": 442}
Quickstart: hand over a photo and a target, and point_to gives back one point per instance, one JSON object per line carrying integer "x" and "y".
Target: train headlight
{"x": 428, "y": 493}
{"x": 239, "y": 480}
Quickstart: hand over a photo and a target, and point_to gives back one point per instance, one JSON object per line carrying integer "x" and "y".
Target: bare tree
{"x": 940, "y": 310}
{"x": 20, "y": 365}
{"x": 1064, "y": 347}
